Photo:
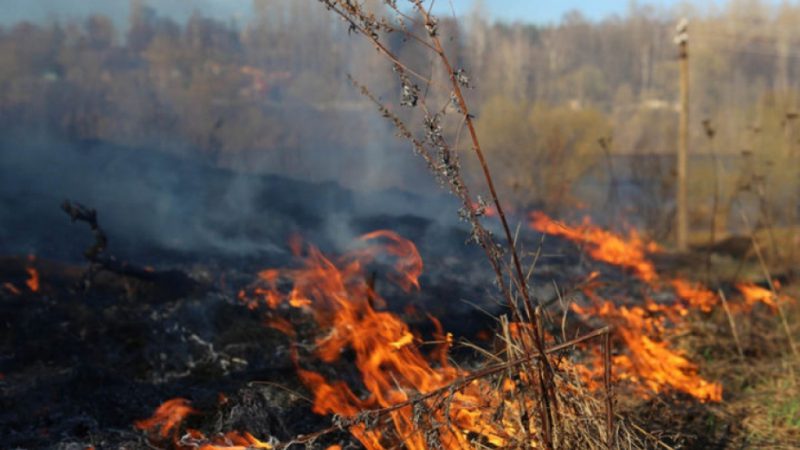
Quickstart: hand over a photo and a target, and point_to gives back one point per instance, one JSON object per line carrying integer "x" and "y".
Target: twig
{"x": 732, "y": 323}
{"x": 363, "y": 31}
{"x": 771, "y": 285}
{"x": 79, "y": 212}
{"x": 282, "y": 387}
{"x": 651, "y": 436}
{"x": 608, "y": 389}
{"x": 99, "y": 260}
{"x": 545, "y": 374}
{"x": 453, "y": 386}
{"x": 712, "y": 235}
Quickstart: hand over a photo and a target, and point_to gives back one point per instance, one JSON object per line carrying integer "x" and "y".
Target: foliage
{"x": 541, "y": 150}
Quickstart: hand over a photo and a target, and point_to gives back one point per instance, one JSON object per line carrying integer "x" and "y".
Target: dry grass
{"x": 761, "y": 407}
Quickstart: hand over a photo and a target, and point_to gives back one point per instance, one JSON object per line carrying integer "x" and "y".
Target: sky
{"x": 548, "y": 11}
{"x": 536, "y": 11}
{"x": 531, "y": 11}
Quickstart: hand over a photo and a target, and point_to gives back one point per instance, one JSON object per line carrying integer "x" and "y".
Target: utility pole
{"x": 682, "y": 216}
{"x": 793, "y": 157}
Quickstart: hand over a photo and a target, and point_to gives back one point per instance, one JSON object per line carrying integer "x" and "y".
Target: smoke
{"x": 215, "y": 157}
{"x": 154, "y": 205}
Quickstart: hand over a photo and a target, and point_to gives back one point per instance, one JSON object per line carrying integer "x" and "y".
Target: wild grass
{"x": 762, "y": 391}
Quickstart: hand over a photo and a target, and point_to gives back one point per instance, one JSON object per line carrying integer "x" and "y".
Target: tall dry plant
{"x": 434, "y": 131}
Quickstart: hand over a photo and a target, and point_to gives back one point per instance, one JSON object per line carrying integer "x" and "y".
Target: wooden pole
{"x": 793, "y": 156}
{"x": 682, "y": 216}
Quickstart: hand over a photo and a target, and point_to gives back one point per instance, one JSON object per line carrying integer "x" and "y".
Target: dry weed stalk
{"x": 732, "y": 323}
{"x": 565, "y": 412}
{"x": 765, "y": 270}
{"x": 373, "y": 418}
{"x": 710, "y": 132}
{"x": 442, "y": 158}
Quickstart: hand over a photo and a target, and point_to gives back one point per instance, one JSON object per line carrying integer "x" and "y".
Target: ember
{"x": 11, "y": 288}
{"x": 167, "y": 418}
{"x": 33, "y": 279}
{"x": 33, "y": 275}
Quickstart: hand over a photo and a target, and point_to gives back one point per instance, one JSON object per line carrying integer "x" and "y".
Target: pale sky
{"x": 533, "y": 11}
{"x": 544, "y": 11}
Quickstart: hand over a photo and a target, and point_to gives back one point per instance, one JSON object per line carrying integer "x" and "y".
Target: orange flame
{"x": 230, "y": 441}
{"x": 408, "y": 267}
{"x": 392, "y": 367}
{"x": 649, "y": 364}
{"x": 488, "y": 210}
{"x": 167, "y": 418}
{"x": 695, "y": 295}
{"x": 33, "y": 279}
{"x": 603, "y": 245}
{"x": 754, "y": 294}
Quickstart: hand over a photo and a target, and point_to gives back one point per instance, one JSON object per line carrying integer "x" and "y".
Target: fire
{"x": 33, "y": 275}
{"x": 695, "y": 295}
{"x": 754, "y": 294}
{"x": 488, "y": 210}
{"x": 649, "y": 364}
{"x": 167, "y": 418}
{"x": 33, "y": 279}
{"x": 229, "y": 441}
{"x": 408, "y": 266}
{"x": 654, "y": 365}
{"x": 393, "y": 368}
{"x": 603, "y": 245}
{"x": 32, "y": 282}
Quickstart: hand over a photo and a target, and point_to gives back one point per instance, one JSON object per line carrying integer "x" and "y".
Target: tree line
{"x": 562, "y": 108}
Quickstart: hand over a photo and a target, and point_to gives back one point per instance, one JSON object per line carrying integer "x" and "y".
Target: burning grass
{"x": 645, "y": 326}
{"x": 736, "y": 343}
{"x": 749, "y": 355}
{"x": 390, "y": 386}
{"x": 408, "y": 392}
{"x": 532, "y": 389}
{"x": 166, "y": 419}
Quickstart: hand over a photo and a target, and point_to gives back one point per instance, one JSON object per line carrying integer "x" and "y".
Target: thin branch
{"x": 771, "y": 285}
{"x": 451, "y": 387}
